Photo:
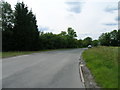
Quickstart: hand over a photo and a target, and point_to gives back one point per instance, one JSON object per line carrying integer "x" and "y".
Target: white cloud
{"x": 88, "y": 22}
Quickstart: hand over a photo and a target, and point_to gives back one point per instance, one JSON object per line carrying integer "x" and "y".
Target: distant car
{"x": 89, "y": 46}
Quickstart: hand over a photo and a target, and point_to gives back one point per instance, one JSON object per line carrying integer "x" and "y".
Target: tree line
{"x": 110, "y": 38}
{"x": 20, "y": 33}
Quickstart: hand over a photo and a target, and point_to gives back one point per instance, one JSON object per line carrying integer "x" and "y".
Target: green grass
{"x": 17, "y": 53}
{"x": 103, "y": 63}
{"x": 0, "y": 54}
{"x": 11, "y": 54}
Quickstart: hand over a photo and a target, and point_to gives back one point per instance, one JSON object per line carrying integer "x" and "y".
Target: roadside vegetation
{"x": 11, "y": 54}
{"x": 103, "y": 64}
{"x": 18, "y": 53}
{"x": 0, "y": 54}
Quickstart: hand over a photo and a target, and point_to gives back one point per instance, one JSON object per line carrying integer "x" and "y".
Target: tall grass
{"x": 103, "y": 63}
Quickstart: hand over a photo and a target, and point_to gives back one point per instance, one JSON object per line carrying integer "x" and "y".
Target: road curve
{"x": 50, "y": 69}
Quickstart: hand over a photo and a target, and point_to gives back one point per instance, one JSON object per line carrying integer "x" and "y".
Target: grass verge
{"x": 17, "y": 53}
{"x": 11, "y": 54}
{"x": 103, "y": 64}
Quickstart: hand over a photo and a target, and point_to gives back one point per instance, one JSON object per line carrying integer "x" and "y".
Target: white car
{"x": 89, "y": 46}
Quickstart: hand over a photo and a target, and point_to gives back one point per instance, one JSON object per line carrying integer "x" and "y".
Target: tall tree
{"x": 0, "y": 15}
{"x": 71, "y": 33}
{"x": 25, "y": 31}
{"x": 105, "y": 39}
{"x": 87, "y": 41}
{"x": 113, "y": 37}
{"x": 80, "y": 43}
{"x": 0, "y": 26}
{"x": 7, "y": 16}
{"x": 118, "y": 37}
{"x": 95, "y": 43}
{"x": 7, "y": 26}
{"x": 63, "y": 33}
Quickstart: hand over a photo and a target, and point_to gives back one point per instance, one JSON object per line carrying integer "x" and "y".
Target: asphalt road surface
{"x": 50, "y": 69}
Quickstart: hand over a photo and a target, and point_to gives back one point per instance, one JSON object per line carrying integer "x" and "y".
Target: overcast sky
{"x": 86, "y": 17}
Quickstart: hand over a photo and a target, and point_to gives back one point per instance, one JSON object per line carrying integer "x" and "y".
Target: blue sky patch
{"x": 74, "y": 7}
{"x": 110, "y": 24}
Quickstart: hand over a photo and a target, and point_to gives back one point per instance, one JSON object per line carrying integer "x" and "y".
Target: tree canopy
{"x": 110, "y": 38}
{"x": 20, "y": 33}
{"x": 25, "y": 29}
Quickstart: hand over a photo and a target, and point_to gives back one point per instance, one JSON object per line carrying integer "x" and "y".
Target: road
{"x": 49, "y": 69}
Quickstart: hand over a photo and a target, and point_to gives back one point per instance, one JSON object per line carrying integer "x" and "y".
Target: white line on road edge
{"x": 81, "y": 73}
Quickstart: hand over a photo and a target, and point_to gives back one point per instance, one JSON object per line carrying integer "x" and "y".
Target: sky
{"x": 89, "y": 18}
